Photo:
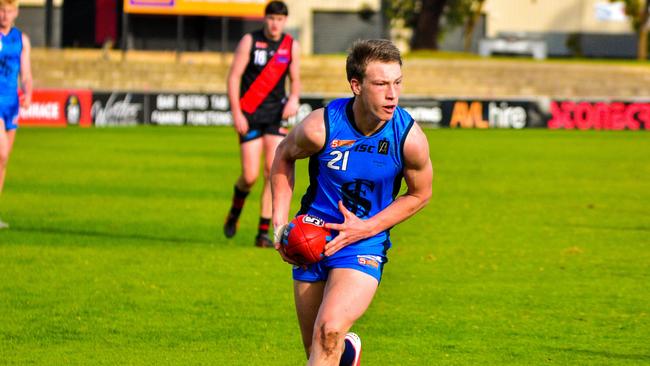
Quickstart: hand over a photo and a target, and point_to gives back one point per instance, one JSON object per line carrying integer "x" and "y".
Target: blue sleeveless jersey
{"x": 365, "y": 172}
{"x": 11, "y": 48}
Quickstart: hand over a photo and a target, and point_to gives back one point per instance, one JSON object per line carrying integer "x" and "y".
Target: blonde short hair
{"x": 9, "y": 2}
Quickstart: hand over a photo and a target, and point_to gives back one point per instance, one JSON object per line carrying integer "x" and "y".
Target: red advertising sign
{"x": 599, "y": 116}
{"x": 57, "y": 108}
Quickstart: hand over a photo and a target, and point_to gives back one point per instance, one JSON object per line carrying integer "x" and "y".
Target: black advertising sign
{"x": 514, "y": 114}
{"x": 192, "y": 109}
{"x": 118, "y": 109}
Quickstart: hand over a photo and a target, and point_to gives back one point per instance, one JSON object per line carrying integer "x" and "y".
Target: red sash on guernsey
{"x": 267, "y": 79}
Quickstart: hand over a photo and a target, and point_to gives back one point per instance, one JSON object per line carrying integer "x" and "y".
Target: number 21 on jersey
{"x": 340, "y": 160}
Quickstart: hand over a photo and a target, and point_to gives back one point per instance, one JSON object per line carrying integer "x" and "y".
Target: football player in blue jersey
{"x": 360, "y": 150}
{"x": 14, "y": 63}
{"x": 259, "y": 105}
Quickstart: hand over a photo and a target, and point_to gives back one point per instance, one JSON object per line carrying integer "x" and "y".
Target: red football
{"x": 304, "y": 239}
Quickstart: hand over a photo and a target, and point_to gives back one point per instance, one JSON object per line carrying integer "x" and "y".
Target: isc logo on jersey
{"x": 381, "y": 148}
{"x": 339, "y": 159}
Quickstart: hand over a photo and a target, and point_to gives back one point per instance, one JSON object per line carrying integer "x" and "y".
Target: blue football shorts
{"x": 372, "y": 264}
{"x": 9, "y": 114}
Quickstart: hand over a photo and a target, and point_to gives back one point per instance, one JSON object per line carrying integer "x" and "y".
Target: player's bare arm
{"x": 239, "y": 62}
{"x": 418, "y": 175}
{"x": 291, "y": 108}
{"x": 304, "y": 140}
{"x": 26, "y": 73}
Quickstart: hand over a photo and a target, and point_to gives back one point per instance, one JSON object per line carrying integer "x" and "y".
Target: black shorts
{"x": 256, "y": 131}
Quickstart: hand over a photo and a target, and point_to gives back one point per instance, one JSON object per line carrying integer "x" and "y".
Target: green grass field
{"x": 534, "y": 250}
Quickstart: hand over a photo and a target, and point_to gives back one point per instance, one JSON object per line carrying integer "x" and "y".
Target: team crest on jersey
{"x": 340, "y": 143}
{"x": 260, "y": 44}
{"x": 354, "y": 196}
{"x": 383, "y": 147}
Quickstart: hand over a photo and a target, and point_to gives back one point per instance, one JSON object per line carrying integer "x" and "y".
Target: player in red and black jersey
{"x": 259, "y": 105}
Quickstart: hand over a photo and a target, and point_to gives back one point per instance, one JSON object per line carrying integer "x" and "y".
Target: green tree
{"x": 637, "y": 10}
{"x": 425, "y": 17}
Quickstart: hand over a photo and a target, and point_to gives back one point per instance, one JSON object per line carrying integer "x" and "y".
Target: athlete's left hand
{"x": 291, "y": 108}
{"x": 350, "y": 231}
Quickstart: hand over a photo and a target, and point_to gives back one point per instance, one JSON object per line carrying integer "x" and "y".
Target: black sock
{"x": 238, "y": 201}
{"x": 263, "y": 227}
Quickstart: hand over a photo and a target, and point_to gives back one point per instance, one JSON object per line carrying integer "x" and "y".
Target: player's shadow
{"x": 113, "y": 235}
{"x": 603, "y": 354}
{"x": 609, "y": 227}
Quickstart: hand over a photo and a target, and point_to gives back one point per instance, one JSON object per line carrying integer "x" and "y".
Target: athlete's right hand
{"x": 284, "y": 256}
{"x": 277, "y": 236}
{"x": 240, "y": 122}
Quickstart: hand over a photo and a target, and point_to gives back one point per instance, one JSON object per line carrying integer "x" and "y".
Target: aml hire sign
{"x": 230, "y": 8}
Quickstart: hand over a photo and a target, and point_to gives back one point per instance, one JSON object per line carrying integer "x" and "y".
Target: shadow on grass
{"x": 604, "y": 354}
{"x": 609, "y": 227}
{"x": 114, "y": 235}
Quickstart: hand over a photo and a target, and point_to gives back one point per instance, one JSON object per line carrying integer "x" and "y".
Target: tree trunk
{"x": 427, "y": 27}
{"x": 642, "y": 47}
{"x": 470, "y": 25}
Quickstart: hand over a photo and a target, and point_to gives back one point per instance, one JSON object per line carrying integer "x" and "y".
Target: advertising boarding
{"x": 221, "y": 8}
{"x": 57, "y": 108}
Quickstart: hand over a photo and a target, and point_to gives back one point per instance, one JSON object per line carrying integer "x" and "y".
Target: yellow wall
{"x": 561, "y": 16}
